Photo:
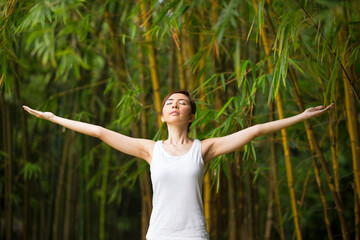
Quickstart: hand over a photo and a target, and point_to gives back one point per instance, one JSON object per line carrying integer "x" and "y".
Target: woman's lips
{"x": 174, "y": 113}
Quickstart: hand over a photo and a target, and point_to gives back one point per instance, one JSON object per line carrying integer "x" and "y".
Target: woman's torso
{"x": 177, "y": 195}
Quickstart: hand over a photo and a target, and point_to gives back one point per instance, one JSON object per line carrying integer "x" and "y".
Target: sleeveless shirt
{"x": 178, "y": 212}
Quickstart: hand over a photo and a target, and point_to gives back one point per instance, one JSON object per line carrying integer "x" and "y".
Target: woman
{"x": 177, "y": 164}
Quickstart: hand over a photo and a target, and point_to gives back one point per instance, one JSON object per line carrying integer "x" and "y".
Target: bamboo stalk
{"x": 357, "y": 216}
{"x": 207, "y": 180}
{"x": 25, "y": 149}
{"x": 103, "y": 198}
{"x": 333, "y": 132}
{"x": 145, "y": 185}
{"x": 351, "y": 119}
{"x": 240, "y": 190}
{"x": 303, "y": 194}
{"x": 188, "y": 49}
{"x": 59, "y": 188}
{"x": 250, "y": 207}
{"x": 315, "y": 149}
{"x": 207, "y": 200}
{"x": 119, "y": 63}
{"x": 69, "y": 183}
{"x": 214, "y": 19}
{"x": 143, "y": 192}
{"x": 289, "y": 172}
{"x": 153, "y": 65}
{"x": 271, "y": 199}
{"x": 172, "y": 66}
{"x": 232, "y": 200}
{"x": 180, "y": 64}
{"x": 286, "y": 149}
{"x": 6, "y": 129}
{"x": 273, "y": 174}
{"x": 323, "y": 199}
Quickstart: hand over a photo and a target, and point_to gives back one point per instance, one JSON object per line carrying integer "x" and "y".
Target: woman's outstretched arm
{"x": 214, "y": 147}
{"x": 137, "y": 147}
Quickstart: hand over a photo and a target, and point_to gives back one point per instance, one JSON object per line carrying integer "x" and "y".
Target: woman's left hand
{"x": 317, "y": 111}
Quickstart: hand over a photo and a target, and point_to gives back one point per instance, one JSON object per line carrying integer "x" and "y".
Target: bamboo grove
{"x": 245, "y": 61}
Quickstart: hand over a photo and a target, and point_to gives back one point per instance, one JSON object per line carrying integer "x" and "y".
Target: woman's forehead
{"x": 178, "y": 96}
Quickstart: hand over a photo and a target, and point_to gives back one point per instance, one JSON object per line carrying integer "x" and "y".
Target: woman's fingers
{"x": 39, "y": 114}
{"x": 26, "y": 108}
{"x": 32, "y": 111}
{"x": 319, "y": 107}
{"x": 315, "y": 111}
{"x": 330, "y": 106}
{"x": 322, "y": 109}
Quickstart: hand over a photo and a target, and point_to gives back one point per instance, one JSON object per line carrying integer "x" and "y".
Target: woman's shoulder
{"x": 206, "y": 146}
{"x": 207, "y": 142}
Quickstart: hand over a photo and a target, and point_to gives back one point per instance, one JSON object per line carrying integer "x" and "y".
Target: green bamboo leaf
{"x": 226, "y": 15}
{"x": 242, "y": 72}
{"x": 31, "y": 170}
{"x": 224, "y": 167}
{"x": 227, "y": 124}
{"x": 329, "y": 87}
{"x": 4, "y": 154}
{"x": 237, "y": 62}
{"x": 260, "y": 16}
{"x": 325, "y": 44}
{"x": 239, "y": 120}
{"x": 133, "y": 32}
{"x": 271, "y": 92}
{"x": 115, "y": 192}
{"x": 223, "y": 81}
{"x": 224, "y": 107}
{"x": 244, "y": 96}
{"x": 293, "y": 63}
{"x": 253, "y": 150}
{"x": 123, "y": 38}
{"x": 250, "y": 30}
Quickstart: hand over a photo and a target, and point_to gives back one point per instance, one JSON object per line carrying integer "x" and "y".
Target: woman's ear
{"x": 192, "y": 118}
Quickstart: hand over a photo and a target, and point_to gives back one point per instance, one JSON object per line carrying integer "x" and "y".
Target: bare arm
{"x": 214, "y": 147}
{"x": 137, "y": 147}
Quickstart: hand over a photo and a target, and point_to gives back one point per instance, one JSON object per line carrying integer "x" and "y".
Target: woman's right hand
{"x": 43, "y": 115}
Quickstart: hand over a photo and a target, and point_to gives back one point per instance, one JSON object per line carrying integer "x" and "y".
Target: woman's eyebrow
{"x": 180, "y": 99}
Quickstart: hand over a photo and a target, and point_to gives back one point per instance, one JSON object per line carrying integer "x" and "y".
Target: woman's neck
{"x": 177, "y": 136}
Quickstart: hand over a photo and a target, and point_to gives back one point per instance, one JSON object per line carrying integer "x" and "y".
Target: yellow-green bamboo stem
{"x": 104, "y": 187}
{"x": 316, "y": 151}
{"x": 153, "y": 65}
{"x": 323, "y": 199}
{"x": 289, "y": 172}
{"x": 207, "y": 180}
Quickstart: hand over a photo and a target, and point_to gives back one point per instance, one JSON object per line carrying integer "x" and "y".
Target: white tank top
{"x": 178, "y": 211}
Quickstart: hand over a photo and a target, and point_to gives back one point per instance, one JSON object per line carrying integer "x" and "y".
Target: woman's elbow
{"x": 99, "y": 132}
{"x": 257, "y": 130}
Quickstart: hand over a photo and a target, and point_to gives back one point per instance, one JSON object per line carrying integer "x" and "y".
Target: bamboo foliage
{"x": 111, "y": 62}
{"x": 279, "y": 105}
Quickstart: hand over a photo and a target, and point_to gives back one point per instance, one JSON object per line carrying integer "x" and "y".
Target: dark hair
{"x": 191, "y": 101}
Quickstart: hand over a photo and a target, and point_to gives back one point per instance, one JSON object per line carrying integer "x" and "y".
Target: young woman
{"x": 177, "y": 164}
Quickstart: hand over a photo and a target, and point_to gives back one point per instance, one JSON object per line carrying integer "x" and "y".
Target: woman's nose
{"x": 175, "y": 105}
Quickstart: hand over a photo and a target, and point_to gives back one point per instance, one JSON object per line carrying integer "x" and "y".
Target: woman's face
{"x": 177, "y": 109}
